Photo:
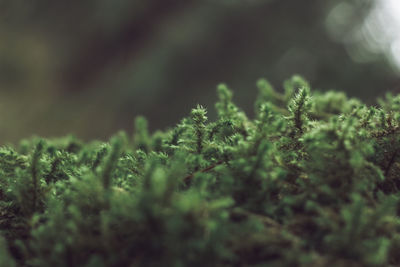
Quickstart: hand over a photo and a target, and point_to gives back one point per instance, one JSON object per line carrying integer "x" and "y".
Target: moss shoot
{"x": 312, "y": 180}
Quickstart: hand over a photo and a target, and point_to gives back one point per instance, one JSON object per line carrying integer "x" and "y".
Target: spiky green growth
{"x": 199, "y": 118}
{"x": 312, "y": 180}
{"x": 141, "y": 138}
{"x": 298, "y": 107}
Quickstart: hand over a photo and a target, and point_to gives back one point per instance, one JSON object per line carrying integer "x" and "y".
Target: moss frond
{"x": 312, "y": 180}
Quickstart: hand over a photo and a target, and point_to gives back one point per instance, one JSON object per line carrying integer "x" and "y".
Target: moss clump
{"x": 313, "y": 179}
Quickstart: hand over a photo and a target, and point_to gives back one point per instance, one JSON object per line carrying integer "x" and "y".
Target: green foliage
{"x": 312, "y": 180}
{"x": 5, "y": 258}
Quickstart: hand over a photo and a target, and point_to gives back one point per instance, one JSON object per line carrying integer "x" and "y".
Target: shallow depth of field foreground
{"x": 312, "y": 180}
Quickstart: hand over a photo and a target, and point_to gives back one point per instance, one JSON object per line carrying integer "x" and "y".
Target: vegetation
{"x": 312, "y": 180}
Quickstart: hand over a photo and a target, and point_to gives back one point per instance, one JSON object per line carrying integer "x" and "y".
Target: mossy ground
{"x": 312, "y": 180}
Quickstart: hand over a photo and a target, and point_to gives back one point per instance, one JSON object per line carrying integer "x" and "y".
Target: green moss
{"x": 312, "y": 180}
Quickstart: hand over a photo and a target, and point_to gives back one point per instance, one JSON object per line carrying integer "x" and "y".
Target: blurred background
{"x": 89, "y": 67}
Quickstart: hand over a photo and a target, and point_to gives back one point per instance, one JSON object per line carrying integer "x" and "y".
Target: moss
{"x": 313, "y": 179}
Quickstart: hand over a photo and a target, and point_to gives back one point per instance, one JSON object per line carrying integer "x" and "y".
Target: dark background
{"x": 89, "y": 67}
